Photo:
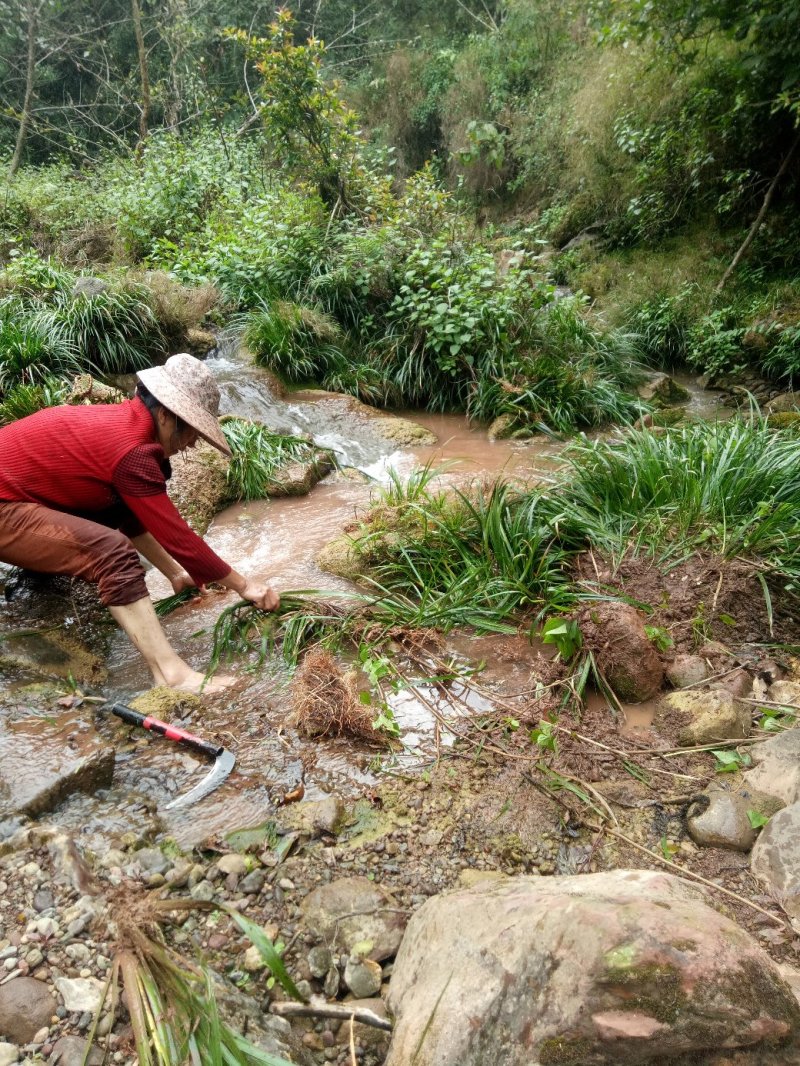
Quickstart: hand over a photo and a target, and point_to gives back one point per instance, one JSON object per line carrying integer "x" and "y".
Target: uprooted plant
{"x": 172, "y": 1001}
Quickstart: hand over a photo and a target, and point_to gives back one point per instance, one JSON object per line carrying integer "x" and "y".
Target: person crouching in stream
{"x": 84, "y": 489}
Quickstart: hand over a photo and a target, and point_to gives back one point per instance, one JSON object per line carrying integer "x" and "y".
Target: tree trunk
{"x": 751, "y": 233}
{"x": 144, "y": 78}
{"x": 30, "y": 75}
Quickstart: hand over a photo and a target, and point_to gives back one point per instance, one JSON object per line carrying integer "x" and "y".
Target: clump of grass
{"x": 32, "y": 348}
{"x": 298, "y": 342}
{"x": 732, "y": 486}
{"x": 303, "y": 618}
{"x": 168, "y": 604}
{"x": 326, "y": 701}
{"x": 258, "y": 456}
{"x": 23, "y": 400}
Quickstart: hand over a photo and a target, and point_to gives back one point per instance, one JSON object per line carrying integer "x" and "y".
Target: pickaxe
{"x": 224, "y": 760}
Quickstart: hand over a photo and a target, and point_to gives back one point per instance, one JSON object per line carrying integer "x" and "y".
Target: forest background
{"x": 386, "y": 197}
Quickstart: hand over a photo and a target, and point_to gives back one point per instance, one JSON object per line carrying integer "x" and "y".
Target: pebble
{"x": 253, "y": 960}
{"x": 203, "y": 891}
{"x": 9, "y": 1053}
{"x": 319, "y": 961}
{"x": 43, "y": 900}
{"x": 253, "y": 883}
{"x": 232, "y": 864}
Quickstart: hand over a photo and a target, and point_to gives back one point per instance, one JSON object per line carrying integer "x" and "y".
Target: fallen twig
{"x": 323, "y": 1009}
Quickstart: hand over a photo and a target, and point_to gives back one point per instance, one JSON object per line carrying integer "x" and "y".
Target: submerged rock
{"x": 47, "y": 653}
{"x": 704, "y": 716}
{"x": 663, "y": 391}
{"x": 354, "y": 914}
{"x": 47, "y": 759}
{"x": 718, "y": 819}
{"x": 615, "y": 634}
{"x": 608, "y": 968}
{"x": 299, "y": 478}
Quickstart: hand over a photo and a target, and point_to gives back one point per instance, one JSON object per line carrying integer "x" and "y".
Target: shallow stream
{"x": 278, "y": 540}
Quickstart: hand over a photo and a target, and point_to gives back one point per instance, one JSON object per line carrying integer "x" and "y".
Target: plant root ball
{"x": 325, "y": 699}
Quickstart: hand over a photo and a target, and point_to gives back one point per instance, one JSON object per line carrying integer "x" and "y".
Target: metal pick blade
{"x": 223, "y": 765}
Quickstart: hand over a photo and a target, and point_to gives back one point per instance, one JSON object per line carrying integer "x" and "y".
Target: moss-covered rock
{"x": 162, "y": 702}
{"x": 663, "y": 391}
{"x": 341, "y": 557}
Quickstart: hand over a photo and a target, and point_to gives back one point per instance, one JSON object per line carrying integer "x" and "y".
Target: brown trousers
{"x": 55, "y": 542}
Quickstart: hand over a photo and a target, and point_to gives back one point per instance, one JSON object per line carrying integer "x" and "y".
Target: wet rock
{"x": 299, "y": 478}
{"x": 776, "y": 770}
{"x": 776, "y": 859}
{"x": 785, "y": 401}
{"x": 663, "y": 391}
{"x": 254, "y": 882}
{"x": 26, "y": 1005}
{"x": 577, "y": 970}
{"x": 51, "y": 654}
{"x": 320, "y": 961}
{"x": 363, "y": 977}
{"x": 685, "y": 670}
{"x": 339, "y": 556}
{"x": 82, "y": 994}
{"x": 70, "y": 1051}
{"x": 353, "y": 913}
{"x": 402, "y": 431}
{"x": 45, "y": 760}
{"x": 200, "y": 341}
{"x": 718, "y": 819}
{"x": 152, "y": 860}
{"x": 232, "y": 864}
{"x": 314, "y": 817}
{"x": 9, "y": 1053}
{"x": 707, "y": 716}
{"x": 615, "y": 633}
{"x": 502, "y": 428}
{"x": 166, "y": 703}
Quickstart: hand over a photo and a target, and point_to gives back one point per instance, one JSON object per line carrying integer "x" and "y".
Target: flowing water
{"x": 278, "y": 540}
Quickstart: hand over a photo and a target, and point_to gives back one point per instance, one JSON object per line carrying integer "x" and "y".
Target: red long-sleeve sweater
{"x": 90, "y": 459}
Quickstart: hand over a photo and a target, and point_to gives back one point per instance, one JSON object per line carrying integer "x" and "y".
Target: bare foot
{"x": 198, "y": 684}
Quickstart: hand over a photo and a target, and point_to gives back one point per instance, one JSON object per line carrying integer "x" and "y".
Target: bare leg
{"x": 140, "y": 622}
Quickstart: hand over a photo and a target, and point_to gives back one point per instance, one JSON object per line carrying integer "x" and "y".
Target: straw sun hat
{"x": 187, "y": 387}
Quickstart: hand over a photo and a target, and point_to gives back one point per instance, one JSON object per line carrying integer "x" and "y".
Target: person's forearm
{"x": 234, "y": 581}
{"x": 147, "y": 545}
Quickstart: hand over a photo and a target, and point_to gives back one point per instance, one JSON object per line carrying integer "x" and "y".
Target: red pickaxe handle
{"x": 171, "y": 732}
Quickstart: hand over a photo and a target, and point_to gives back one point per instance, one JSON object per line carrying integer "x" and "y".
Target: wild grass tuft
{"x": 298, "y": 342}
{"x": 730, "y": 486}
{"x": 258, "y": 456}
{"x": 32, "y": 348}
{"x": 23, "y": 400}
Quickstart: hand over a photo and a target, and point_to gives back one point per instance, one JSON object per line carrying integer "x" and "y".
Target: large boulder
{"x": 609, "y": 968}
{"x": 614, "y": 632}
{"x": 776, "y": 769}
{"x": 702, "y": 717}
{"x": 776, "y": 859}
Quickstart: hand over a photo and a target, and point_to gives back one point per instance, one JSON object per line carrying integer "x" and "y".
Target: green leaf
{"x": 757, "y": 819}
{"x": 267, "y": 951}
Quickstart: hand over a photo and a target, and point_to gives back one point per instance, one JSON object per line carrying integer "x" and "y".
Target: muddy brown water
{"x": 278, "y": 540}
